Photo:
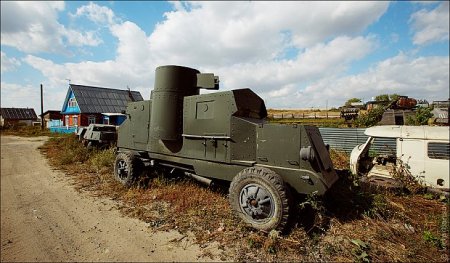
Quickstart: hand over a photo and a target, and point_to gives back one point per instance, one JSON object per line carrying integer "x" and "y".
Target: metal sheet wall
{"x": 346, "y": 139}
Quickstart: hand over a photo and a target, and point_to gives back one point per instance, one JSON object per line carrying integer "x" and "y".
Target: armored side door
{"x": 139, "y": 117}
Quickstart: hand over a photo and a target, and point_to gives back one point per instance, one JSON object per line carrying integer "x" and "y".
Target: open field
{"x": 308, "y": 117}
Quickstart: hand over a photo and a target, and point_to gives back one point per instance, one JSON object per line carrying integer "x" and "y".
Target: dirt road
{"x": 44, "y": 219}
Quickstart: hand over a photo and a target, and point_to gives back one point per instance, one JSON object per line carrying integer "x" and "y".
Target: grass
{"x": 25, "y": 131}
{"x": 352, "y": 222}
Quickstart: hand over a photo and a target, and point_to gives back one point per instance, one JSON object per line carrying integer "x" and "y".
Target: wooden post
{"x": 42, "y": 108}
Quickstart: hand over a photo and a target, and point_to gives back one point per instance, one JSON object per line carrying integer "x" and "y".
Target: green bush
{"x": 370, "y": 118}
{"x": 421, "y": 117}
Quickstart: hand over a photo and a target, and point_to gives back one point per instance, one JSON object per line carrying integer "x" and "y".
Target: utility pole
{"x": 42, "y": 107}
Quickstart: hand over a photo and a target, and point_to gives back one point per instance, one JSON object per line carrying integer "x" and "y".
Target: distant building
{"x": 359, "y": 105}
{"x": 372, "y": 104}
{"x": 17, "y": 116}
{"x": 52, "y": 118}
{"x": 441, "y": 104}
{"x": 86, "y": 104}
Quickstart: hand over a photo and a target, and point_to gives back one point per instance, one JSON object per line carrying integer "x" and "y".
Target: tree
{"x": 350, "y": 101}
{"x": 394, "y": 96}
{"x": 382, "y": 97}
{"x": 370, "y": 118}
{"x": 421, "y": 117}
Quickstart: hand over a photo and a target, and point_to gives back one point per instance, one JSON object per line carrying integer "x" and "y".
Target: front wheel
{"x": 261, "y": 198}
{"x": 127, "y": 168}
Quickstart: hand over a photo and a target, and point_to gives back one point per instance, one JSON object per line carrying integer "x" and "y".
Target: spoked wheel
{"x": 260, "y": 197}
{"x": 256, "y": 202}
{"x": 127, "y": 168}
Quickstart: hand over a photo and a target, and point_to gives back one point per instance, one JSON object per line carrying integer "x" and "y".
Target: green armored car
{"x": 223, "y": 135}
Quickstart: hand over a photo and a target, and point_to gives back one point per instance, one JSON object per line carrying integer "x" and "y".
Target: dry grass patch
{"x": 25, "y": 131}
{"x": 351, "y": 223}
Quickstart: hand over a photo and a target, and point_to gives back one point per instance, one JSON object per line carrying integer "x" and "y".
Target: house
{"x": 17, "y": 116}
{"x": 52, "y": 118}
{"x": 86, "y": 104}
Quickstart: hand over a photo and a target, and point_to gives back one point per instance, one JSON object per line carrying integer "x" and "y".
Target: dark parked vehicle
{"x": 99, "y": 135}
{"x": 223, "y": 135}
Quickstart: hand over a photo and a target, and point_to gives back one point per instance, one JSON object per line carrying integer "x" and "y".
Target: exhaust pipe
{"x": 199, "y": 178}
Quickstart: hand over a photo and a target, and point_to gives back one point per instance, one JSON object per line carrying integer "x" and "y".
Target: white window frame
{"x": 91, "y": 119}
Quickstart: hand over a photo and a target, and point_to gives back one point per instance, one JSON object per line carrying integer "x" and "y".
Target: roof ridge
{"x": 17, "y": 108}
{"x": 101, "y": 87}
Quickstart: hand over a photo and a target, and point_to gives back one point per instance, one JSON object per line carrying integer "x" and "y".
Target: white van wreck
{"x": 421, "y": 150}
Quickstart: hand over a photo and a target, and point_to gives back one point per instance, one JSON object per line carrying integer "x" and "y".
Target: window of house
{"x": 67, "y": 120}
{"x": 72, "y": 102}
{"x": 439, "y": 150}
{"x": 75, "y": 120}
{"x": 91, "y": 119}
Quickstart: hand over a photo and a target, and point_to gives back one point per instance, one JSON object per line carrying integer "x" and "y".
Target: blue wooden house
{"x": 86, "y": 104}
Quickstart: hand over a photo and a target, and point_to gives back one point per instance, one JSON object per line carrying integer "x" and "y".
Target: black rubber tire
{"x": 127, "y": 168}
{"x": 273, "y": 185}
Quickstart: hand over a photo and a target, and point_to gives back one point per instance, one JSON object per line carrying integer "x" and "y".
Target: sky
{"x": 294, "y": 54}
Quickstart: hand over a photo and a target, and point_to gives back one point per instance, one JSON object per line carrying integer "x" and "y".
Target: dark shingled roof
{"x": 18, "y": 114}
{"x": 103, "y": 100}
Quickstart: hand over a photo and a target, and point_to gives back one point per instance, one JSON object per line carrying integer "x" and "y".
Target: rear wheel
{"x": 127, "y": 168}
{"x": 260, "y": 197}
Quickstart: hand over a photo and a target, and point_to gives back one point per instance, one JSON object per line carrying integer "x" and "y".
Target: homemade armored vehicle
{"x": 223, "y": 136}
{"x": 99, "y": 135}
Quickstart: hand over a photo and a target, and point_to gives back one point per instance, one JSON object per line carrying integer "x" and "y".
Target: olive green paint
{"x": 217, "y": 135}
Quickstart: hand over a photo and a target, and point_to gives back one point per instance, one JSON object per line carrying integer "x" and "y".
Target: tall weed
{"x": 102, "y": 159}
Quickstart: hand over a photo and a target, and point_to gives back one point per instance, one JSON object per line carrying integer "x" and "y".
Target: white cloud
{"x": 244, "y": 43}
{"x": 314, "y": 63}
{"x": 431, "y": 26}
{"x": 76, "y": 38}
{"x": 240, "y": 45}
{"x": 23, "y": 96}
{"x": 132, "y": 66}
{"x": 225, "y": 33}
{"x": 96, "y": 13}
{"x": 8, "y": 64}
{"x": 423, "y": 77}
{"x": 13, "y": 96}
{"x": 111, "y": 74}
{"x": 33, "y": 27}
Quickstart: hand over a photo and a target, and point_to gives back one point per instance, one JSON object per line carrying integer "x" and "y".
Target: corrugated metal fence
{"x": 346, "y": 139}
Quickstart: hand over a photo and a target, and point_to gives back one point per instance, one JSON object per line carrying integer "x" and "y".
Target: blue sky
{"x": 293, "y": 54}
